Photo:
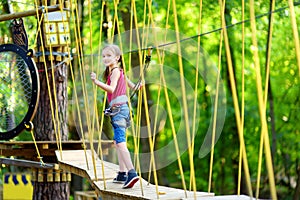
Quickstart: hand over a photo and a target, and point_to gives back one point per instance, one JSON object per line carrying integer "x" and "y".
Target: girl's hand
{"x": 140, "y": 85}
{"x": 93, "y": 76}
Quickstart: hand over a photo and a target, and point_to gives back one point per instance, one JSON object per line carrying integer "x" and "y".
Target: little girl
{"x": 115, "y": 87}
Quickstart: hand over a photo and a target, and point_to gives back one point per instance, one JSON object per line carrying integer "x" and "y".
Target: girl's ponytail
{"x": 105, "y": 74}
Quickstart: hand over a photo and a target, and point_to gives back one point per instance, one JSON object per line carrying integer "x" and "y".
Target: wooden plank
{"x": 85, "y": 195}
{"x": 149, "y": 191}
{"x": 51, "y": 142}
{"x": 26, "y": 163}
{"x": 230, "y": 197}
{"x": 81, "y": 163}
{"x": 74, "y": 161}
{"x": 28, "y": 13}
{"x": 27, "y": 148}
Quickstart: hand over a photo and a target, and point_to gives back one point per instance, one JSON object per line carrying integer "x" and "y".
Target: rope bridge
{"x": 165, "y": 44}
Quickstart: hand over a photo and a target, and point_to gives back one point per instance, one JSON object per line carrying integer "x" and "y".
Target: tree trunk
{"x": 48, "y": 105}
{"x": 51, "y": 191}
{"x": 50, "y": 122}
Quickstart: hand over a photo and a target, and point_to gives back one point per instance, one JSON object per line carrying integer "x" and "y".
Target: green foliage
{"x": 284, "y": 85}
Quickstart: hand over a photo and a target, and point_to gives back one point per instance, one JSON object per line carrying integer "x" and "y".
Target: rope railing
{"x": 262, "y": 110}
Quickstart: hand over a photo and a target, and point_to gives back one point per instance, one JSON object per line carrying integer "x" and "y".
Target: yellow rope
{"x": 265, "y": 99}
{"x": 188, "y": 135}
{"x": 83, "y": 82}
{"x": 222, "y": 7}
{"x": 193, "y": 176}
{"x": 295, "y": 32}
{"x": 40, "y": 20}
{"x": 144, "y": 20}
{"x": 169, "y": 109}
{"x": 237, "y": 110}
{"x": 161, "y": 61}
{"x": 121, "y": 47}
{"x": 135, "y": 129}
{"x": 34, "y": 141}
{"x": 140, "y": 93}
{"x": 71, "y": 69}
{"x": 139, "y": 109}
{"x": 151, "y": 139}
{"x": 99, "y": 151}
{"x": 154, "y": 130}
{"x": 46, "y": 72}
{"x": 58, "y": 133}
{"x": 91, "y": 126}
{"x": 243, "y": 99}
{"x": 80, "y": 63}
{"x": 138, "y": 133}
{"x": 262, "y": 110}
{"x": 99, "y": 144}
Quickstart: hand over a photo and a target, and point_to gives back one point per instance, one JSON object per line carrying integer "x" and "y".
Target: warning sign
{"x": 17, "y": 186}
{"x": 57, "y": 29}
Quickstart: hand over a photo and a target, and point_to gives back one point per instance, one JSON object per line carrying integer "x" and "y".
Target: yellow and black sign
{"x": 17, "y": 186}
{"x": 56, "y": 28}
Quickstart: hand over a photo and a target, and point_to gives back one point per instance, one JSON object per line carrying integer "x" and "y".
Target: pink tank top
{"x": 118, "y": 97}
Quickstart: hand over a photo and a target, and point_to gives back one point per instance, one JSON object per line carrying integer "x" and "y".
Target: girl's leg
{"x": 121, "y": 177}
{"x": 124, "y": 155}
{"x": 122, "y": 166}
{"x": 132, "y": 176}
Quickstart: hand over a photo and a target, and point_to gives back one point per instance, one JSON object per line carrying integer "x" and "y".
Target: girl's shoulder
{"x": 115, "y": 70}
{"x": 116, "y": 73}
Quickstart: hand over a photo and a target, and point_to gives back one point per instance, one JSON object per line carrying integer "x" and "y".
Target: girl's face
{"x": 109, "y": 57}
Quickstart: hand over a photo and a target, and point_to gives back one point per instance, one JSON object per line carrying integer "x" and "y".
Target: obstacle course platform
{"x": 81, "y": 163}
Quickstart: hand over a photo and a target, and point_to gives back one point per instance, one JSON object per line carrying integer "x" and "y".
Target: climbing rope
{"x": 193, "y": 176}
{"x": 295, "y": 31}
{"x": 30, "y": 128}
{"x": 46, "y": 73}
{"x": 56, "y": 114}
{"x": 222, "y": 8}
{"x": 261, "y": 104}
{"x": 265, "y": 98}
{"x": 242, "y": 100}
{"x": 99, "y": 151}
{"x": 237, "y": 109}
{"x": 184, "y": 98}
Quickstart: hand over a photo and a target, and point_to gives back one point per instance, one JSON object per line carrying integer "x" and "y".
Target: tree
{"x": 51, "y": 116}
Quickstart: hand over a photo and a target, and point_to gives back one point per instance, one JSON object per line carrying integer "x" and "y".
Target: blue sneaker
{"x": 132, "y": 178}
{"x": 121, "y": 178}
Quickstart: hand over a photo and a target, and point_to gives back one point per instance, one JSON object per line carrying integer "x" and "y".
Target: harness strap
{"x": 118, "y": 100}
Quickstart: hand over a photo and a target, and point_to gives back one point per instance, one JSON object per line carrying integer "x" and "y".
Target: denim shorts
{"x": 120, "y": 122}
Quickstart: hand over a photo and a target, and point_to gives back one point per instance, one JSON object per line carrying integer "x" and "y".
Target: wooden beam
{"x": 27, "y": 149}
{"x": 28, "y": 13}
{"x": 26, "y": 163}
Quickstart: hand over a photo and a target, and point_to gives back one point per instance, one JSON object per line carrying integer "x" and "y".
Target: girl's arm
{"x": 132, "y": 85}
{"x": 113, "y": 84}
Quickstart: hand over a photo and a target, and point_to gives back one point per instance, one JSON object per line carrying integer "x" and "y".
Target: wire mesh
{"x": 15, "y": 88}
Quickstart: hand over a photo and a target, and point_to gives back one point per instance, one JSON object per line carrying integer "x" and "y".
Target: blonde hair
{"x": 114, "y": 48}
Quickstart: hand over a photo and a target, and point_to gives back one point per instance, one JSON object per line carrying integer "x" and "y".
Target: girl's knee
{"x": 121, "y": 145}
